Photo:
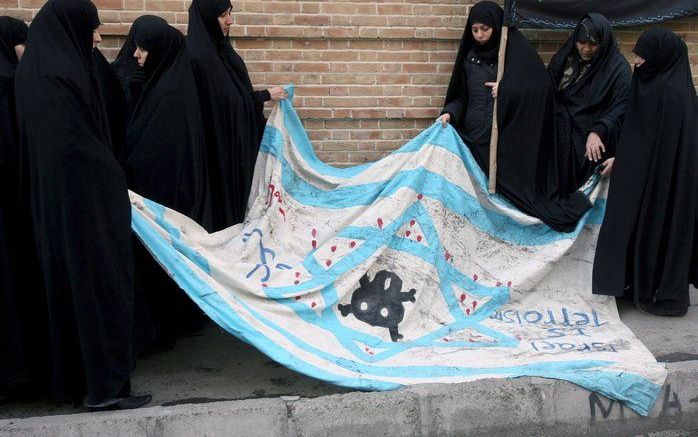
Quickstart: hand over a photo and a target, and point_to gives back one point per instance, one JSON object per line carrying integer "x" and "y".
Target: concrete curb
{"x": 524, "y": 406}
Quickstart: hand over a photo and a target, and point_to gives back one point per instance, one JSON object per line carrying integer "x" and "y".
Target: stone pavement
{"x": 216, "y": 385}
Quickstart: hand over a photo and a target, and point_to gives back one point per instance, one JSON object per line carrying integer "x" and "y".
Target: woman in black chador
{"x": 125, "y": 64}
{"x": 80, "y": 209}
{"x": 13, "y": 324}
{"x": 592, "y": 78}
{"x": 526, "y": 155}
{"x": 232, "y": 111}
{"x": 164, "y": 160}
{"x": 647, "y": 245}
{"x": 166, "y": 123}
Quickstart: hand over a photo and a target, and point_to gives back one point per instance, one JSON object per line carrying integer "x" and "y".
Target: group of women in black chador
{"x": 176, "y": 119}
{"x": 589, "y": 113}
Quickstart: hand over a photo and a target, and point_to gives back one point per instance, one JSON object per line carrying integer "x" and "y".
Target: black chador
{"x": 526, "y": 155}
{"x": 231, "y": 110}
{"x": 591, "y": 98}
{"x": 164, "y": 159}
{"x": 165, "y": 152}
{"x": 14, "y": 325}
{"x": 114, "y": 100}
{"x": 646, "y": 248}
{"x": 80, "y": 208}
{"x": 125, "y": 65}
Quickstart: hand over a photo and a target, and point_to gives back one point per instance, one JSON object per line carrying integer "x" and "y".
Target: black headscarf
{"x": 232, "y": 112}
{"x": 526, "y": 173}
{"x": 648, "y": 236}
{"x": 165, "y": 161}
{"x": 15, "y": 311}
{"x": 596, "y": 29}
{"x": 589, "y": 31}
{"x": 80, "y": 206}
{"x": 125, "y": 64}
{"x": 492, "y": 15}
{"x": 594, "y": 102}
{"x": 663, "y": 53}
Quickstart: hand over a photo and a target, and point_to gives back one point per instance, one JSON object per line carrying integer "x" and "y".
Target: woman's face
{"x": 638, "y": 61}
{"x": 225, "y": 20}
{"x": 96, "y": 38}
{"x": 482, "y": 33}
{"x": 587, "y": 50}
{"x": 19, "y": 50}
{"x": 140, "y": 55}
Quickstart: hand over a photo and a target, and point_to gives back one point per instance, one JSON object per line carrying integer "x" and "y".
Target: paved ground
{"x": 212, "y": 367}
{"x": 670, "y": 339}
{"x": 215, "y": 367}
{"x": 671, "y": 434}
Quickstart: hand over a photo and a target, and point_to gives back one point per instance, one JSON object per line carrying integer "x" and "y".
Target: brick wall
{"x": 369, "y": 74}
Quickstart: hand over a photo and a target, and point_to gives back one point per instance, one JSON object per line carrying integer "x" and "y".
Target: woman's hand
{"x": 277, "y": 93}
{"x": 595, "y": 147}
{"x": 495, "y": 88}
{"x": 444, "y": 119}
{"x": 607, "y": 166}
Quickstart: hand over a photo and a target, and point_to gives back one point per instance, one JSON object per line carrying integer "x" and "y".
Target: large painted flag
{"x": 557, "y": 14}
{"x": 402, "y": 271}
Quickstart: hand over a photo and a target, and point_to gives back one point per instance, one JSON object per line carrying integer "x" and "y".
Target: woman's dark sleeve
{"x": 457, "y": 107}
{"x": 262, "y": 96}
{"x": 608, "y": 126}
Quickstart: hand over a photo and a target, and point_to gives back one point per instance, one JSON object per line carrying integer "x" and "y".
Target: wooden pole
{"x": 494, "y": 139}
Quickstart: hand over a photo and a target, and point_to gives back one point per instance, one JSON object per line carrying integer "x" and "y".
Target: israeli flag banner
{"x": 402, "y": 271}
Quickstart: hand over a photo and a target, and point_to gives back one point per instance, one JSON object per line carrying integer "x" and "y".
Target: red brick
{"x": 164, "y": 5}
{"x": 22, "y": 14}
{"x": 30, "y": 3}
{"x": 273, "y": 7}
{"x": 394, "y": 9}
{"x": 109, "y": 4}
{"x": 137, "y": 5}
{"x": 311, "y": 20}
{"x": 338, "y": 8}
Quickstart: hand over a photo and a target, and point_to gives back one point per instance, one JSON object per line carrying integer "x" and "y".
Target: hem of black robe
{"x": 14, "y": 383}
{"x": 666, "y": 307}
{"x": 599, "y": 291}
{"x": 123, "y": 392}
